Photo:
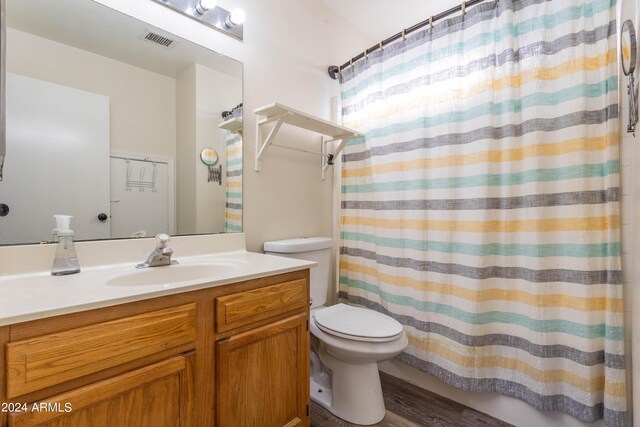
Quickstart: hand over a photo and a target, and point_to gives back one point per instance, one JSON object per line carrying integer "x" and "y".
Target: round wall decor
{"x": 209, "y": 156}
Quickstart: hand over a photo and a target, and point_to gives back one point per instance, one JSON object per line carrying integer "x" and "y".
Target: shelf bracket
{"x": 328, "y": 158}
{"x": 280, "y": 114}
{"x": 323, "y": 157}
{"x": 262, "y": 146}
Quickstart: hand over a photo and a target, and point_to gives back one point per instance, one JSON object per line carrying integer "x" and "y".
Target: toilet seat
{"x": 358, "y": 324}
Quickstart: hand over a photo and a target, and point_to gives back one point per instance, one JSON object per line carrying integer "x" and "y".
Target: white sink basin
{"x": 170, "y": 274}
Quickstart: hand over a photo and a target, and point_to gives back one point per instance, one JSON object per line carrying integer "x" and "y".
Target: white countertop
{"x": 31, "y": 296}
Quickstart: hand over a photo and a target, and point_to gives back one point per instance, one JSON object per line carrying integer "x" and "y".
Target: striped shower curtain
{"x": 233, "y": 203}
{"x": 481, "y": 209}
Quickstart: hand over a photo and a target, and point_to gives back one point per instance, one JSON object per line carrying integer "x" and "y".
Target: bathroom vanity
{"x": 231, "y": 350}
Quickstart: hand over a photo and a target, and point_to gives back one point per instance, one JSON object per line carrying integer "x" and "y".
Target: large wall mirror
{"x": 117, "y": 123}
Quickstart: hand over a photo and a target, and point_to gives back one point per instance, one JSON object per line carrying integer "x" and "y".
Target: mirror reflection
{"x": 628, "y": 47}
{"x": 107, "y": 118}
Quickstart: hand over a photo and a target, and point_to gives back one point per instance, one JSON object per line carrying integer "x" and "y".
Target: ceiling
{"x": 380, "y": 19}
{"x": 90, "y": 26}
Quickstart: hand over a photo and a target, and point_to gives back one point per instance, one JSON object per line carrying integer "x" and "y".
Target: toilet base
{"x": 355, "y": 394}
{"x": 321, "y": 395}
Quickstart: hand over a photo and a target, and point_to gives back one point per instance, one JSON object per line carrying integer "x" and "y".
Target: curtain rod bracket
{"x": 334, "y": 72}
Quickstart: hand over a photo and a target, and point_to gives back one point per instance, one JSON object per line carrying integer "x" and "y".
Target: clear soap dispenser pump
{"x": 66, "y": 261}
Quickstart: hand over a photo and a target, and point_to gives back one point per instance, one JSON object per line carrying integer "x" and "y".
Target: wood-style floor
{"x": 410, "y": 406}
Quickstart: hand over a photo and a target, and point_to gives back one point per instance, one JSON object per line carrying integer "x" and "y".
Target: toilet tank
{"x": 316, "y": 249}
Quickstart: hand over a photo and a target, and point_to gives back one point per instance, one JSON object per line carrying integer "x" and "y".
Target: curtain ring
{"x": 464, "y": 8}
{"x": 404, "y": 34}
{"x": 381, "y": 47}
{"x": 366, "y": 55}
{"x": 431, "y": 22}
{"x": 351, "y": 62}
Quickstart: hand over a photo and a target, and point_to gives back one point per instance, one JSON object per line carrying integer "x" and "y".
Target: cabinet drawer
{"x": 243, "y": 308}
{"x": 157, "y": 395}
{"x": 47, "y": 360}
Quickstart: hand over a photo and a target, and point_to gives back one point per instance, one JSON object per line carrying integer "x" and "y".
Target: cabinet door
{"x": 263, "y": 376}
{"x": 156, "y": 395}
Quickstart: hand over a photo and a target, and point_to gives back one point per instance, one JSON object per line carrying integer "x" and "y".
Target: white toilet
{"x": 352, "y": 341}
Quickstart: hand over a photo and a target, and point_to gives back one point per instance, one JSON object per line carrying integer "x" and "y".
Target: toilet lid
{"x": 357, "y": 323}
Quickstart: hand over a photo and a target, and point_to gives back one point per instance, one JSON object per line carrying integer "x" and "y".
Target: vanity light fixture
{"x": 210, "y": 14}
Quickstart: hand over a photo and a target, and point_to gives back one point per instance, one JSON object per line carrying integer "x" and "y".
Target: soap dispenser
{"x": 66, "y": 261}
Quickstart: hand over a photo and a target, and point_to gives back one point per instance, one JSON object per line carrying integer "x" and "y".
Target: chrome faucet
{"x": 161, "y": 255}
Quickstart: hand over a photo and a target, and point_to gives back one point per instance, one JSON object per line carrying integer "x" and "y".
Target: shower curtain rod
{"x": 334, "y": 70}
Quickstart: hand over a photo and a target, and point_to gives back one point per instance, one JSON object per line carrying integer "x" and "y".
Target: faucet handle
{"x": 162, "y": 240}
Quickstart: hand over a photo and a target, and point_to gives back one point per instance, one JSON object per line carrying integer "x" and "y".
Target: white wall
{"x": 288, "y": 44}
{"x": 202, "y": 95}
{"x": 630, "y": 156}
{"x": 215, "y": 92}
{"x": 629, "y": 234}
{"x": 185, "y": 159}
{"x": 142, "y": 103}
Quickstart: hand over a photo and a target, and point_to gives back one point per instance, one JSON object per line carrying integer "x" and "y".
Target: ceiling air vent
{"x": 158, "y": 39}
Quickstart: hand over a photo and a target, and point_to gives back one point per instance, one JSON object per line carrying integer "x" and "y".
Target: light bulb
{"x": 204, "y": 5}
{"x": 236, "y": 17}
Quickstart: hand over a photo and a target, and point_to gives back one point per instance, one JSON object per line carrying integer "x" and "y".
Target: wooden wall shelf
{"x": 233, "y": 125}
{"x": 281, "y": 114}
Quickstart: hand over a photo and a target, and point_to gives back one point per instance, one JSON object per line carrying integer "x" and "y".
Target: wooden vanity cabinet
{"x": 157, "y": 395}
{"x": 262, "y": 369}
{"x": 160, "y": 362}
